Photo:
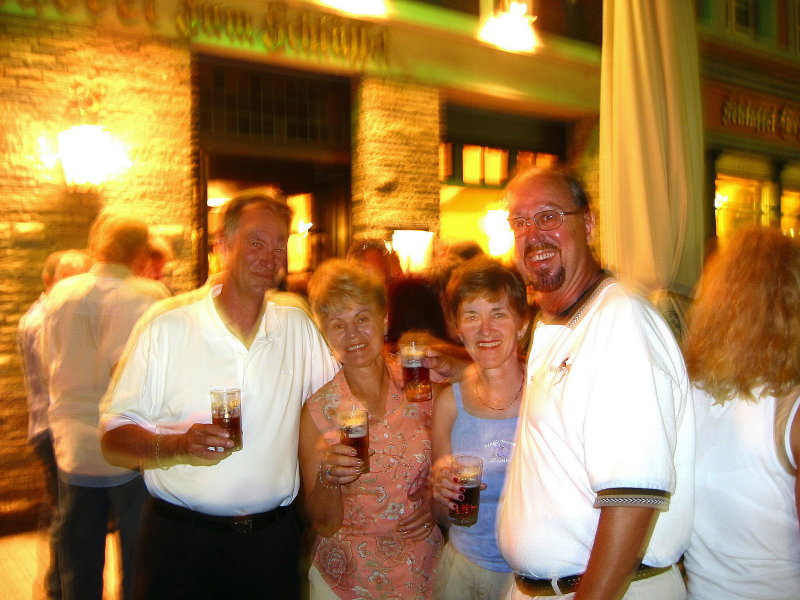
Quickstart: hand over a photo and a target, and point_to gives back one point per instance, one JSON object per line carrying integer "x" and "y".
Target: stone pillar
{"x": 54, "y": 76}
{"x": 395, "y": 157}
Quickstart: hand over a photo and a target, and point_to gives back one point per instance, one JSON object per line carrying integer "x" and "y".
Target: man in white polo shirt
{"x": 599, "y": 492}
{"x": 219, "y": 523}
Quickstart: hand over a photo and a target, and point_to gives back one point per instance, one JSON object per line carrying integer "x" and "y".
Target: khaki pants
{"x": 318, "y": 589}
{"x": 458, "y": 578}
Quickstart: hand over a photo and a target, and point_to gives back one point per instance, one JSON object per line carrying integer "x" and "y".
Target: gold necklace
{"x": 514, "y": 399}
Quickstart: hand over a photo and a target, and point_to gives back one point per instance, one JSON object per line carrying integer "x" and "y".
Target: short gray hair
{"x": 337, "y": 283}
{"x": 270, "y": 198}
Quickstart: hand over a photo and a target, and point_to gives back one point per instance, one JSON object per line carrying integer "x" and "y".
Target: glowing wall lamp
{"x": 413, "y": 247}
{"x": 501, "y": 238}
{"x": 299, "y": 243}
{"x": 90, "y": 155}
{"x": 508, "y": 24}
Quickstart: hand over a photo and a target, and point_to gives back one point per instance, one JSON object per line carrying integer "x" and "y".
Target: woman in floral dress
{"x": 376, "y": 536}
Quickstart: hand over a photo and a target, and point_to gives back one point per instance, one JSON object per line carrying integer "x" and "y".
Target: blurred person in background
{"x": 376, "y": 256}
{"x": 221, "y": 523}
{"x": 465, "y": 250}
{"x": 57, "y": 266}
{"x": 413, "y": 305}
{"x": 159, "y": 255}
{"x": 478, "y": 416}
{"x": 743, "y": 354}
{"x": 87, "y": 321}
{"x": 376, "y": 536}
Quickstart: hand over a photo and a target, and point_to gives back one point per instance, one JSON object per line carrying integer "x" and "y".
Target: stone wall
{"x": 54, "y": 76}
{"x": 395, "y": 157}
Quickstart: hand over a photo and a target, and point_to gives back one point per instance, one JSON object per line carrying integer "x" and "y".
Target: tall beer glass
{"x": 416, "y": 378}
{"x": 226, "y": 411}
{"x": 468, "y": 470}
{"x": 354, "y": 432}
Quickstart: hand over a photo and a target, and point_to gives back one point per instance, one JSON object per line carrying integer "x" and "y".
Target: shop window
{"x": 484, "y": 166}
{"x": 741, "y": 16}
{"x": 790, "y": 213}
{"x": 796, "y": 21}
{"x": 740, "y": 202}
{"x": 474, "y": 165}
{"x": 253, "y": 107}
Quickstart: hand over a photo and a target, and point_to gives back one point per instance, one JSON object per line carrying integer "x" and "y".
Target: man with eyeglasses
{"x": 599, "y": 492}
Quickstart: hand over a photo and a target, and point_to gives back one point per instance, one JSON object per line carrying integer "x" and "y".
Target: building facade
{"x": 367, "y": 122}
{"x": 373, "y": 125}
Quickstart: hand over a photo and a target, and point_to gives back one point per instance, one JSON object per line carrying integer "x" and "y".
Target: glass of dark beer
{"x": 354, "y": 432}
{"x": 226, "y": 411}
{"x": 468, "y": 470}
{"x": 416, "y": 378}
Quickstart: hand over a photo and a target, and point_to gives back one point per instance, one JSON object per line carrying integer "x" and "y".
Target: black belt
{"x": 241, "y": 524}
{"x": 567, "y": 585}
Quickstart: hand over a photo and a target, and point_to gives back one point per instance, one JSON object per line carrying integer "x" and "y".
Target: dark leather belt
{"x": 567, "y": 585}
{"x": 241, "y": 524}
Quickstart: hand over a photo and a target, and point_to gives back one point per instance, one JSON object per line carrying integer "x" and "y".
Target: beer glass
{"x": 226, "y": 411}
{"x": 354, "y": 432}
{"x": 467, "y": 470}
{"x": 416, "y": 378}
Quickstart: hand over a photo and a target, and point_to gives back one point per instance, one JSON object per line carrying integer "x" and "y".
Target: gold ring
{"x": 329, "y": 471}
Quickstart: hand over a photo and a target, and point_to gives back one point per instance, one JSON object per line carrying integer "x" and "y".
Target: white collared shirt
{"x": 606, "y": 406}
{"x": 186, "y": 350}
{"x": 88, "y": 319}
{"x": 28, "y": 342}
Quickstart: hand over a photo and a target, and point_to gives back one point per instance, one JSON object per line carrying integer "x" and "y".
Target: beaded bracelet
{"x": 327, "y": 485}
{"x": 158, "y": 447}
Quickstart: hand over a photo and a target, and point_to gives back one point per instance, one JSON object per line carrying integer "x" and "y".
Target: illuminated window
{"x": 739, "y": 202}
{"x": 790, "y": 213}
{"x": 472, "y": 161}
{"x": 486, "y": 166}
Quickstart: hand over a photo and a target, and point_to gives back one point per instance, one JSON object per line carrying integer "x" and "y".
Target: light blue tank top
{"x": 492, "y": 440}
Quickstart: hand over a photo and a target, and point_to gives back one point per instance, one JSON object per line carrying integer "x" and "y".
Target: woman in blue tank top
{"x": 487, "y": 304}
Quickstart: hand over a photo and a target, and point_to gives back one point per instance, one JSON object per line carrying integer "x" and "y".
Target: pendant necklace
{"x": 514, "y": 399}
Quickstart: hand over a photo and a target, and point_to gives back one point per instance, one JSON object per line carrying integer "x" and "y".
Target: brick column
{"x": 141, "y": 89}
{"x": 395, "y": 158}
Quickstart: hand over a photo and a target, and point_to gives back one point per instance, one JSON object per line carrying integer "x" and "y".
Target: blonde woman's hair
{"x": 337, "y": 284}
{"x": 744, "y": 326}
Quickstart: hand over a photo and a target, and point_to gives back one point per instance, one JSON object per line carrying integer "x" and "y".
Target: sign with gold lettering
{"x": 295, "y": 31}
{"x": 729, "y": 109}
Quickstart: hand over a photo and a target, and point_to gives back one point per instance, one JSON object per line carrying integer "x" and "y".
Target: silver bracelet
{"x": 158, "y": 447}
{"x": 325, "y": 484}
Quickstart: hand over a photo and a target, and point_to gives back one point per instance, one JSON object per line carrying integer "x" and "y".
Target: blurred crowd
{"x": 530, "y": 430}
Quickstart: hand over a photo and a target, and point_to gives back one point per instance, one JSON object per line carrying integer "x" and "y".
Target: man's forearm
{"x": 130, "y": 446}
{"x": 619, "y": 544}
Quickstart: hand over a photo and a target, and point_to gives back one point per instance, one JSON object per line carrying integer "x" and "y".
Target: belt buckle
{"x": 242, "y": 525}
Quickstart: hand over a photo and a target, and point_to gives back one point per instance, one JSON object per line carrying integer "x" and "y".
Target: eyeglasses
{"x": 545, "y": 220}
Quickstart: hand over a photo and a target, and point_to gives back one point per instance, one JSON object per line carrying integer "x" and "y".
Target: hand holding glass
{"x": 354, "y": 432}
{"x": 226, "y": 411}
{"x": 468, "y": 471}
{"x": 416, "y": 378}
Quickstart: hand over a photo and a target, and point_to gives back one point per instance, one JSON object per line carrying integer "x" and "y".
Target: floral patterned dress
{"x": 367, "y": 559}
